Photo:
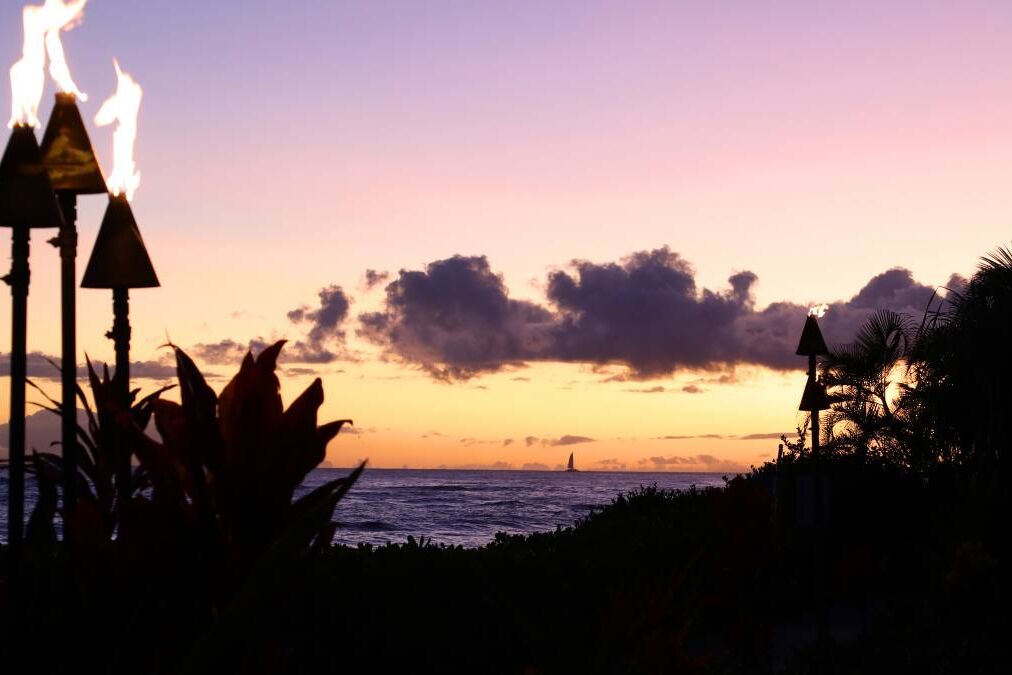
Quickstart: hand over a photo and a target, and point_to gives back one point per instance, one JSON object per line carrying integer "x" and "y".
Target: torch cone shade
{"x": 814, "y": 398}
{"x": 26, "y": 193}
{"x": 67, "y": 153}
{"x": 119, "y": 259}
{"x": 811, "y": 343}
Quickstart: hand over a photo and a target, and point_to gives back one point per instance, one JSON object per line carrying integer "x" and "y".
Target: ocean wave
{"x": 446, "y": 488}
{"x": 368, "y": 526}
{"x": 460, "y": 507}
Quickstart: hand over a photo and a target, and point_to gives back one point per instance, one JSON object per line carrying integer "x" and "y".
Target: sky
{"x": 592, "y": 227}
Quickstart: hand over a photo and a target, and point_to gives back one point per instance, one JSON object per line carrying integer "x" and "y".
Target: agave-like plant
{"x": 227, "y": 467}
{"x": 102, "y": 448}
{"x": 209, "y": 534}
{"x": 218, "y": 485}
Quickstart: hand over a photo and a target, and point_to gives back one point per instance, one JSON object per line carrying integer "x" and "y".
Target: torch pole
{"x": 120, "y": 335}
{"x": 18, "y": 280}
{"x": 822, "y": 617}
{"x": 67, "y": 242}
{"x": 815, "y": 413}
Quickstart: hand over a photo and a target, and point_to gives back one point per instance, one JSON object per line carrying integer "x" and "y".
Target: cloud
{"x": 760, "y": 437}
{"x": 455, "y": 319}
{"x": 296, "y": 371}
{"x": 647, "y": 390}
{"x": 646, "y": 313}
{"x": 374, "y": 278}
{"x": 327, "y": 319}
{"x": 567, "y": 440}
{"x": 308, "y": 352}
{"x": 324, "y": 341}
{"x": 692, "y": 389}
{"x": 154, "y": 370}
{"x": 223, "y": 352}
{"x": 507, "y": 442}
{"x": 501, "y": 465}
{"x": 684, "y": 438}
{"x": 230, "y": 352}
{"x": 326, "y": 327}
{"x": 707, "y": 462}
{"x": 669, "y": 461}
{"x": 535, "y": 466}
{"x": 41, "y": 366}
{"x": 612, "y": 463}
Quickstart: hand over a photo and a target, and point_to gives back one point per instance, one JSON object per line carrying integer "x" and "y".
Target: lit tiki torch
{"x": 27, "y": 201}
{"x": 73, "y": 168}
{"x": 120, "y": 260}
{"x": 813, "y": 345}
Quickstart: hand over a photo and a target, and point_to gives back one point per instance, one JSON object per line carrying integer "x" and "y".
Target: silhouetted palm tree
{"x": 963, "y": 366}
{"x": 865, "y": 384}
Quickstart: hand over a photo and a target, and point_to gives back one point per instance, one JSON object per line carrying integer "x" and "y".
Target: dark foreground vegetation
{"x": 886, "y": 554}
{"x": 712, "y": 581}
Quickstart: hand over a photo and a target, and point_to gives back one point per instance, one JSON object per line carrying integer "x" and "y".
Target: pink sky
{"x": 284, "y": 149}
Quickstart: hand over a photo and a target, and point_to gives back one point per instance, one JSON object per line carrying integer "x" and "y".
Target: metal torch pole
{"x": 121, "y": 339}
{"x": 18, "y": 280}
{"x": 815, "y": 413}
{"x": 822, "y": 618}
{"x": 67, "y": 243}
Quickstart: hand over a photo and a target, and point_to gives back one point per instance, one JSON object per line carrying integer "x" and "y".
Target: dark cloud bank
{"x": 455, "y": 319}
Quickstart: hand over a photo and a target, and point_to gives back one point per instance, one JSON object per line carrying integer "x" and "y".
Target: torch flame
{"x": 818, "y": 311}
{"x": 42, "y": 26}
{"x": 122, "y": 107}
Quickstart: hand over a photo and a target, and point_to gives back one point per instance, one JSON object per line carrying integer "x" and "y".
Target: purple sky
{"x": 288, "y": 147}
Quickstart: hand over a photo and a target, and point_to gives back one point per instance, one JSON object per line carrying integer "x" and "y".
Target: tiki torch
{"x": 27, "y": 201}
{"x": 814, "y": 399}
{"x": 119, "y": 260}
{"x": 73, "y": 169}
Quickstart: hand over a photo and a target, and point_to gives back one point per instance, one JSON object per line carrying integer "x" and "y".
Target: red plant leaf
{"x": 298, "y": 437}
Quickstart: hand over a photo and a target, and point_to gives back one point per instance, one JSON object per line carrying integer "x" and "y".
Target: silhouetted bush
{"x": 211, "y": 528}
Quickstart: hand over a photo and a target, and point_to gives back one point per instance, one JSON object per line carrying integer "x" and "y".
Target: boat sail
{"x": 570, "y": 467}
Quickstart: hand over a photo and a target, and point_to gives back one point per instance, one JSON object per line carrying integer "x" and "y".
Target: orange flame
{"x": 818, "y": 311}
{"x": 123, "y": 108}
{"x": 42, "y": 26}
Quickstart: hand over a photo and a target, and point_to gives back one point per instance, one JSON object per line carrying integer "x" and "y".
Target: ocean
{"x": 464, "y": 508}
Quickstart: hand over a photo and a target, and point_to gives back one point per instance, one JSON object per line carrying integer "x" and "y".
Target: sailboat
{"x": 570, "y": 467}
